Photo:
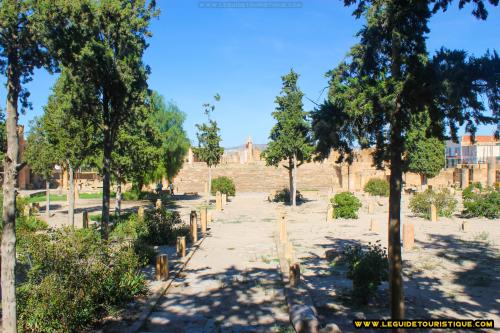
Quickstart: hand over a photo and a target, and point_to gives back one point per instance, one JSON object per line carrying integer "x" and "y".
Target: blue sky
{"x": 242, "y": 53}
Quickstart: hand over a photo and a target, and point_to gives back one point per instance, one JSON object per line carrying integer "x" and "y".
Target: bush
{"x": 479, "y": 202}
{"x": 367, "y": 268}
{"x": 445, "y": 203}
{"x": 377, "y": 186}
{"x": 284, "y": 196}
{"x": 345, "y": 205}
{"x": 223, "y": 185}
{"x": 162, "y": 227}
{"x": 74, "y": 278}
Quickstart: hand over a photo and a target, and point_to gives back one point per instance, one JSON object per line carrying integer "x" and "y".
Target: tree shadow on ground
{"x": 475, "y": 287}
{"x": 232, "y": 300}
{"x": 476, "y": 283}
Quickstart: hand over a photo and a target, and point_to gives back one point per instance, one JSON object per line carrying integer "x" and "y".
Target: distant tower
{"x": 249, "y": 149}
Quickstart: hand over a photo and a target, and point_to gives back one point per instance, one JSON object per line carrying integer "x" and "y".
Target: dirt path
{"x": 232, "y": 283}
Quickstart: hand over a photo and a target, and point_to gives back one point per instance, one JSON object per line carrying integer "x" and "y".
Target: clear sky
{"x": 241, "y": 53}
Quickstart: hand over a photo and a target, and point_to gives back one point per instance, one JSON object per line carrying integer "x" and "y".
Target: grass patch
{"x": 43, "y": 198}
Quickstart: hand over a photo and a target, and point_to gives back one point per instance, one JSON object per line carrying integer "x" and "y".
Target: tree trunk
{"x": 8, "y": 263}
{"x": 71, "y": 197}
{"x": 290, "y": 180}
{"x": 118, "y": 204}
{"x": 294, "y": 181}
{"x": 395, "y": 260}
{"x": 47, "y": 191}
{"x": 209, "y": 187}
{"x": 106, "y": 182}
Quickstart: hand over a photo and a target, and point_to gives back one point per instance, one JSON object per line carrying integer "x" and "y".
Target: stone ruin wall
{"x": 254, "y": 176}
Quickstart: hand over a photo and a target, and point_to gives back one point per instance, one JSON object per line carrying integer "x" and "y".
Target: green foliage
{"x": 479, "y": 202}
{"x": 367, "y": 268}
{"x": 445, "y": 203}
{"x": 223, "y": 185}
{"x": 40, "y": 155}
{"x": 162, "y": 227}
{"x": 290, "y": 136}
{"x": 425, "y": 155}
{"x": 345, "y": 205}
{"x": 174, "y": 143}
{"x": 284, "y": 196}
{"x": 73, "y": 279}
{"x": 42, "y": 197}
{"x": 209, "y": 149}
{"x": 377, "y": 186}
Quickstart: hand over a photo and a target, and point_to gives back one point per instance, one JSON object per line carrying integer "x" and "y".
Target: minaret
{"x": 249, "y": 149}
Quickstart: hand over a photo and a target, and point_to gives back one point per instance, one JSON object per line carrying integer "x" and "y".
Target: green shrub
{"x": 479, "y": 202}
{"x": 444, "y": 201}
{"x": 162, "y": 227}
{"x": 284, "y": 196}
{"x": 223, "y": 185}
{"x": 367, "y": 268}
{"x": 345, "y": 205}
{"x": 377, "y": 186}
{"x": 73, "y": 279}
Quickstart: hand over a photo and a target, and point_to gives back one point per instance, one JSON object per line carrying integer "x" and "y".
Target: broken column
{"x": 434, "y": 214}
{"x": 218, "y": 201}
{"x": 194, "y": 226}
{"x": 161, "y": 269}
{"x": 203, "y": 220}
{"x": 408, "y": 236}
{"x": 181, "y": 246}
{"x": 464, "y": 181}
{"x": 85, "y": 219}
{"x": 491, "y": 177}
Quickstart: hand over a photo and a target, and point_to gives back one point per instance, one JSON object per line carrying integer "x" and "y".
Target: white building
{"x": 468, "y": 152}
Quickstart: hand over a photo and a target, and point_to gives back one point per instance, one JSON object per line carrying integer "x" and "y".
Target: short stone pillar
{"x": 491, "y": 177}
{"x": 374, "y": 225}
{"x": 434, "y": 214}
{"x": 408, "y": 236}
{"x": 181, "y": 246}
{"x": 85, "y": 219}
{"x": 27, "y": 210}
{"x": 294, "y": 275}
{"x": 159, "y": 204}
{"x": 218, "y": 201}
{"x": 140, "y": 213}
{"x": 161, "y": 268}
{"x": 464, "y": 180}
{"x": 371, "y": 208}
{"x": 224, "y": 199}
{"x": 203, "y": 220}
{"x": 194, "y": 226}
{"x": 329, "y": 213}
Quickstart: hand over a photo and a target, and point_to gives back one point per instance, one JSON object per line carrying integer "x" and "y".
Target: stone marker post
{"x": 329, "y": 213}
{"x": 464, "y": 181}
{"x": 408, "y": 235}
{"x": 203, "y": 220}
{"x": 85, "y": 219}
{"x": 161, "y": 271}
{"x": 294, "y": 274}
{"x": 218, "y": 201}
{"x": 194, "y": 226}
{"x": 140, "y": 213}
{"x": 159, "y": 204}
{"x": 434, "y": 215}
{"x": 491, "y": 178}
{"x": 181, "y": 246}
